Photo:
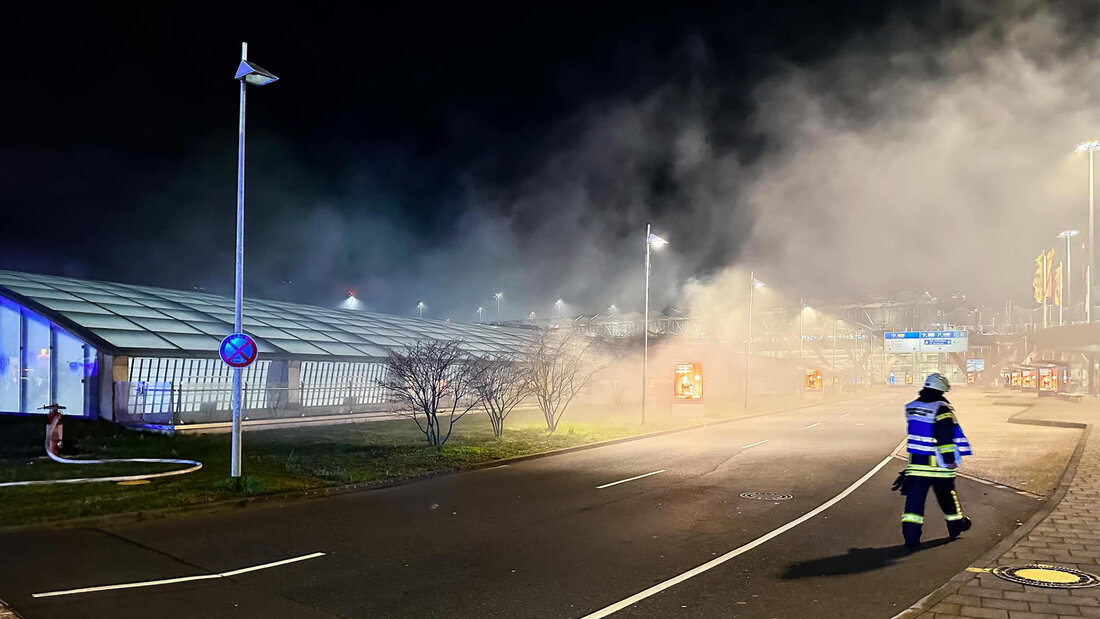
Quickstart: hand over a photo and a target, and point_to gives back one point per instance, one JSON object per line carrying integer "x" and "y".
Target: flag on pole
{"x": 1058, "y": 285}
{"x": 1037, "y": 281}
{"x": 1047, "y": 275}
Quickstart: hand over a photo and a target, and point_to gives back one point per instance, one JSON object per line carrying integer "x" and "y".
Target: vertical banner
{"x": 1058, "y": 285}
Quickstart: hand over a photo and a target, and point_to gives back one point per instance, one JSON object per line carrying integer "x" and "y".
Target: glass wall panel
{"x": 69, "y": 360}
{"x": 10, "y": 330}
{"x": 36, "y": 362}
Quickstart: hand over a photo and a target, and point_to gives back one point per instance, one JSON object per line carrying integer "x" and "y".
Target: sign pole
{"x": 235, "y": 465}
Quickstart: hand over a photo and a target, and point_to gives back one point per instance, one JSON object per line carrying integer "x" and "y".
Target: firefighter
{"x": 936, "y": 443}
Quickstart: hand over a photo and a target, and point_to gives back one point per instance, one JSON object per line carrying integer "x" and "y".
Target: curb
{"x": 274, "y": 500}
{"x": 990, "y": 558}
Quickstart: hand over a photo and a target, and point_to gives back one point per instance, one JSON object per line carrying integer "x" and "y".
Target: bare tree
{"x": 427, "y": 379}
{"x": 501, "y": 383}
{"x": 559, "y": 365}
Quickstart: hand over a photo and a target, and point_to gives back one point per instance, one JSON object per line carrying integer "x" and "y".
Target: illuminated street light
{"x": 1090, "y": 147}
{"x": 479, "y": 310}
{"x": 247, "y": 73}
{"x": 557, "y": 306}
{"x": 531, "y": 316}
{"x": 656, "y": 242}
{"x": 753, "y": 285}
{"x": 420, "y": 308}
{"x": 498, "y": 296}
{"x": 612, "y": 309}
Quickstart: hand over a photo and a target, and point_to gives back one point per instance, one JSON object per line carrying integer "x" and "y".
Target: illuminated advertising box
{"x": 975, "y": 365}
{"x": 1028, "y": 378}
{"x": 689, "y": 382}
{"x": 1017, "y": 378}
{"x": 1048, "y": 380}
{"x": 813, "y": 380}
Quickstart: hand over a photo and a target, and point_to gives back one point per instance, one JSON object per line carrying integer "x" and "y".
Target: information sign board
{"x": 926, "y": 341}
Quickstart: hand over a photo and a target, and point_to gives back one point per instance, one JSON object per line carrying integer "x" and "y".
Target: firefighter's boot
{"x": 956, "y": 527}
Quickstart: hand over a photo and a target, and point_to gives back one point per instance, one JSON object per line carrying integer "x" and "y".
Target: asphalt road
{"x": 540, "y": 539}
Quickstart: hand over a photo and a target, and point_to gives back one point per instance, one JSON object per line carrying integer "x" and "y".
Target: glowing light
{"x": 655, "y": 241}
{"x": 1085, "y": 147}
{"x": 1065, "y": 234}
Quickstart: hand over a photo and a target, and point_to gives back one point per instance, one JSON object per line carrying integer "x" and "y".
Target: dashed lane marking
{"x": 169, "y": 581}
{"x": 623, "y": 481}
{"x": 755, "y": 444}
{"x": 814, "y": 424}
{"x": 845, "y": 414}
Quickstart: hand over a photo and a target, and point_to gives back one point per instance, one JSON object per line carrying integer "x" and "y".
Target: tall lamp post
{"x": 656, "y": 242}
{"x": 753, "y": 285}
{"x": 557, "y": 306}
{"x": 1090, "y": 147}
{"x": 479, "y": 310}
{"x": 420, "y": 309}
{"x": 1067, "y": 277}
{"x": 247, "y": 73}
{"x": 498, "y": 296}
{"x": 802, "y": 307}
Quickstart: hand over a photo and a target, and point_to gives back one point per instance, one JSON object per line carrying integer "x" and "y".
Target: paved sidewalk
{"x": 1069, "y": 537}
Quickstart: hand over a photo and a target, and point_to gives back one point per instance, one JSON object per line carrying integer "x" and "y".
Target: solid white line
{"x": 623, "y": 481}
{"x": 814, "y": 424}
{"x": 168, "y": 581}
{"x": 655, "y": 589}
{"x": 755, "y": 444}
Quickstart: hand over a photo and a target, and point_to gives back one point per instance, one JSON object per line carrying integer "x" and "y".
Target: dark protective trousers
{"x": 916, "y": 492}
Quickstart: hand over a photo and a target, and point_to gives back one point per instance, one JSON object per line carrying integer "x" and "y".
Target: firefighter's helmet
{"x": 938, "y": 382}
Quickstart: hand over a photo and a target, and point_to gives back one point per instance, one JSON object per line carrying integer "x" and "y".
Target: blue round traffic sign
{"x": 238, "y": 350}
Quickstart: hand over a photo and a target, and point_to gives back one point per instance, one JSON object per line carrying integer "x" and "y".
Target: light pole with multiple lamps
{"x": 420, "y": 309}
{"x": 247, "y": 73}
{"x": 753, "y": 285}
{"x": 655, "y": 242}
{"x": 479, "y": 310}
{"x": 498, "y": 296}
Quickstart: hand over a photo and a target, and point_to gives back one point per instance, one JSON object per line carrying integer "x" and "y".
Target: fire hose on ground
{"x": 53, "y": 441}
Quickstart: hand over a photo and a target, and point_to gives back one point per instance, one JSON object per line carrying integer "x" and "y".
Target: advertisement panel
{"x": 813, "y": 379}
{"x": 689, "y": 382}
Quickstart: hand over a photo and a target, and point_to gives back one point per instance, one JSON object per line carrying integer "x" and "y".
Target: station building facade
{"x": 149, "y": 356}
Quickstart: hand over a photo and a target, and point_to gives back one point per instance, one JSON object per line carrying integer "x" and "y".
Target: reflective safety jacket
{"x": 935, "y": 439}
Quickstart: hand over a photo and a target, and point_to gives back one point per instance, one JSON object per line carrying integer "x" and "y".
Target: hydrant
{"x": 54, "y": 428}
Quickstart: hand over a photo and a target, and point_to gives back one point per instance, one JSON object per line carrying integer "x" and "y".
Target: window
{"x": 36, "y": 362}
{"x": 10, "y": 362}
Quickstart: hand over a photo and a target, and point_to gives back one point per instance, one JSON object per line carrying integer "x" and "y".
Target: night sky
{"x": 413, "y": 151}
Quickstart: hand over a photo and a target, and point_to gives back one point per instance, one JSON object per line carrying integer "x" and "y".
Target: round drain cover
{"x": 767, "y": 496}
{"x": 1052, "y": 576}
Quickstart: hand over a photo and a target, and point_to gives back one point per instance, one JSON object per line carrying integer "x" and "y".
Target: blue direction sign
{"x": 238, "y": 350}
{"x": 926, "y": 341}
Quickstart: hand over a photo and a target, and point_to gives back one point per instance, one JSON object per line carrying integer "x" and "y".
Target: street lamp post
{"x": 1067, "y": 277}
{"x": 498, "y": 296}
{"x": 801, "y": 359}
{"x": 656, "y": 242}
{"x": 611, "y": 310}
{"x": 753, "y": 284}
{"x": 479, "y": 309}
{"x": 557, "y": 306}
{"x": 420, "y": 309}
{"x": 247, "y": 73}
{"x": 1090, "y": 268}
{"x": 832, "y": 360}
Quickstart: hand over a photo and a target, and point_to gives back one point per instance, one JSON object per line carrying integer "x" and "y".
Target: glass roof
{"x": 156, "y": 321}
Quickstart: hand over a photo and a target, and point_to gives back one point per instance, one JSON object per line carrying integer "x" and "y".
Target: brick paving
{"x": 1069, "y": 536}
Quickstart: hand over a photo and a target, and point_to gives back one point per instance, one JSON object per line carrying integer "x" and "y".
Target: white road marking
{"x": 755, "y": 444}
{"x": 168, "y": 581}
{"x": 659, "y": 587}
{"x": 814, "y": 424}
{"x": 623, "y": 481}
{"x": 845, "y": 414}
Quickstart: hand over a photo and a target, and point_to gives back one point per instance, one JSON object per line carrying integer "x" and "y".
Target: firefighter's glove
{"x": 901, "y": 483}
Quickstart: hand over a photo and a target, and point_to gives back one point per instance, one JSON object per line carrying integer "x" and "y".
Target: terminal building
{"x": 149, "y": 356}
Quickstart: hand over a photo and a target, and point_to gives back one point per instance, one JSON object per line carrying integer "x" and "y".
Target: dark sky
{"x": 410, "y": 151}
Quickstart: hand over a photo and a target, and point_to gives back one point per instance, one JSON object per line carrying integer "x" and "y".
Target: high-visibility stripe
{"x": 943, "y": 416}
{"x": 942, "y": 474}
{"x": 953, "y": 517}
{"x": 921, "y": 448}
{"x": 945, "y": 448}
{"x": 914, "y": 518}
{"x": 958, "y": 508}
{"x": 921, "y": 439}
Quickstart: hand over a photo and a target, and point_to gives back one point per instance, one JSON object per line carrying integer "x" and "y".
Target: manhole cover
{"x": 767, "y": 496}
{"x": 1051, "y": 576}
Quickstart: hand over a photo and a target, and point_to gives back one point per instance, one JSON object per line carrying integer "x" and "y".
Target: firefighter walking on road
{"x": 936, "y": 443}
